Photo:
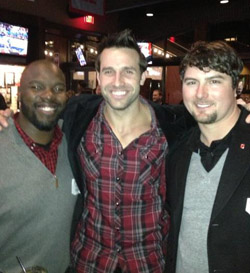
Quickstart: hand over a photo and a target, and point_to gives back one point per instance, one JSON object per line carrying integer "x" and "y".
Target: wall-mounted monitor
{"x": 146, "y": 49}
{"x": 13, "y": 39}
{"x": 80, "y": 56}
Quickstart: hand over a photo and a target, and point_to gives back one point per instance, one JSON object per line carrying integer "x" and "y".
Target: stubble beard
{"x": 31, "y": 116}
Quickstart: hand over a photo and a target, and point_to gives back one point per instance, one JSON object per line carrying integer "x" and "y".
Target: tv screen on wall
{"x": 13, "y": 39}
{"x": 146, "y": 49}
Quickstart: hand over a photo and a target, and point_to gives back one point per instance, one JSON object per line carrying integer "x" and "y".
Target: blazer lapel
{"x": 235, "y": 168}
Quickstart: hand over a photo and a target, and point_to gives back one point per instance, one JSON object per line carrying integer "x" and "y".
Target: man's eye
{"x": 36, "y": 87}
{"x": 215, "y": 81}
{"x": 190, "y": 82}
{"x": 108, "y": 72}
{"x": 129, "y": 71}
{"x": 59, "y": 89}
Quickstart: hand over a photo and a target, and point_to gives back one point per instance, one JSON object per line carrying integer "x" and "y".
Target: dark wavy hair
{"x": 123, "y": 39}
{"x": 216, "y": 55}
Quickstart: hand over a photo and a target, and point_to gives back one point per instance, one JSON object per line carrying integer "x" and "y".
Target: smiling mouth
{"x": 203, "y": 105}
{"x": 46, "y": 109}
{"x": 118, "y": 93}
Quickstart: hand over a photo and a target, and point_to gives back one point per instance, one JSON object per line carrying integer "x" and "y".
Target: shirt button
{"x": 32, "y": 147}
{"x": 120, "y": 153}
{"x": 118, "y": 249}
{"x": 117, "y": 179}
{"x": 117, "y": 228}
{"x": 117, "y": 204}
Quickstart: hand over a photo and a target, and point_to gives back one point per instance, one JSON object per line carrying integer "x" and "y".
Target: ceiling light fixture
{"x": 149, "y": 14}
{"x": 224, "y": 1}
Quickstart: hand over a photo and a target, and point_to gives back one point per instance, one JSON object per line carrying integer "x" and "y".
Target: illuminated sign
{"x": 89, "y": 19}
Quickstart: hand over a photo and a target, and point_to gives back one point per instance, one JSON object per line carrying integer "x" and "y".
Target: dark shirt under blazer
{"x": 228, "y": 239}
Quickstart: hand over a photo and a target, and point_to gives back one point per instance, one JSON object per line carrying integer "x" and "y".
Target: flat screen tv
{"x": 146, "y": 49}
{"x": 13, "y": 39}
{"x": 80, "y": 57}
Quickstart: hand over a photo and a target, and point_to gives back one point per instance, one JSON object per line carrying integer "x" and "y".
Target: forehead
{"x": 195, "y": 72}
{"x": 44, "y": 73}
{"x": 119, "y": 57}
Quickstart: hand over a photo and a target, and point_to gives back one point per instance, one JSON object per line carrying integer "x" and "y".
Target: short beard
{"x": 31, "y": 117}
{"x": 206, "y": 120}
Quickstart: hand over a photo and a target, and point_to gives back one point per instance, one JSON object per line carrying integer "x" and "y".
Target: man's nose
{"x": 201, "y": 91}
{"x": 47, "y": 93}
{"x": 118, "y": 78}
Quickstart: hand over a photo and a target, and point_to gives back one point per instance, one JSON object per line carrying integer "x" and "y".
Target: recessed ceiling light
{"x": 149, "y": 14}
{"x": 224, "y": 1}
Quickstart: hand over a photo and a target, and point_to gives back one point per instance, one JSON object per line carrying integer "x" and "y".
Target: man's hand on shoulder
{"x": 4, "y": 116}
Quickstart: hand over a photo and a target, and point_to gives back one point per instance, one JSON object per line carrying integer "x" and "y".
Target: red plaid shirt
{"x": 48, "y": 157}
{"x": 123, "y": 222}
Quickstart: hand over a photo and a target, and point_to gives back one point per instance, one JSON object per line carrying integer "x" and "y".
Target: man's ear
{"x": 143, "y": 77}
{"x": 98, "y": 77}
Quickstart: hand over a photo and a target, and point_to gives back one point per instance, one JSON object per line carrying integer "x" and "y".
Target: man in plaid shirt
{"x": 117, "y": 148}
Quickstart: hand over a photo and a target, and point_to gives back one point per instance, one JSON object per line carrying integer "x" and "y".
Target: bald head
{"x": 42, "y": 95}
{"x": 40, "y": 68}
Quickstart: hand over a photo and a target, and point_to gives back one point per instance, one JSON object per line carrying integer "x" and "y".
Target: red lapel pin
{"x": 242, "y": 146}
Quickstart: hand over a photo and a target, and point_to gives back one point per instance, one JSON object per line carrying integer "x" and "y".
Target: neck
{"x": 38, "y": 136}
{"x": 129, "y": 124}
{"x": 218, "y": 130}
{"x": 124, "y": 118}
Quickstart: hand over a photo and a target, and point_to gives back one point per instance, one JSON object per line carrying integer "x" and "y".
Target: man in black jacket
{"x": 117, "y": 148}
{"x": 209, "y": 189}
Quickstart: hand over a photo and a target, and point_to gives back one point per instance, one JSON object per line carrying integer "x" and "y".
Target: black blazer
{"x": 228, "y": 239}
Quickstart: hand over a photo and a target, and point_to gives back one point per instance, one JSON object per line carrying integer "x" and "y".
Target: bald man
{"x": 36, "y": 198}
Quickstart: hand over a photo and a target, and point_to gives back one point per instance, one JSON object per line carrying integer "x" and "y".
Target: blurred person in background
{"x": 82, "y": 88}
{"x": 157, "y": 96}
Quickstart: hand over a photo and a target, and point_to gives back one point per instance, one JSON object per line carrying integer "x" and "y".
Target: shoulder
{"x": 9, "y": 137}
{"x": 184, "y": 141}
{"x": 242, "y": 125}
{"x": 174, "y": 120}
{"x": 78, "y": 105}
{"x": 79, "y": 111}
{"x": 167, "y": 111}
{"x": 83, "y": 100}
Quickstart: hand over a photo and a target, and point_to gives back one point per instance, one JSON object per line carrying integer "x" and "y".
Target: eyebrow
{"x": 42, "y": 83}
{"x": 215, "y": 76}
{"x": 123, "y": 68}
{"x": 207, "y": 78}
{"x": 107, "y": 68}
